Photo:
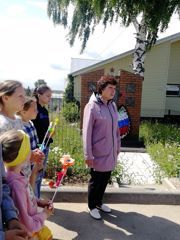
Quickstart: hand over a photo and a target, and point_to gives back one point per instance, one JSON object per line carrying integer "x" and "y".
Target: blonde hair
{"x": 11, "y": 142}
{"x": 7, "y": 88}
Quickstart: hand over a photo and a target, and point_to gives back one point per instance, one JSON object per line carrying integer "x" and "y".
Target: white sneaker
{"x": 104, "y": 208}
{"x": 95, "y": 213}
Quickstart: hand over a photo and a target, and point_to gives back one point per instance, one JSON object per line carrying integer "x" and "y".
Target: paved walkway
{"x": 138, "y": 168}
{"x": 71, "y": 221}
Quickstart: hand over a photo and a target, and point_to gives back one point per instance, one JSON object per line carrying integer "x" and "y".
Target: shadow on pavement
{"x": 116, "y": 226}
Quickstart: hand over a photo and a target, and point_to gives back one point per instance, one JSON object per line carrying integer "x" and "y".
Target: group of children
{"x": 23, "y": 124}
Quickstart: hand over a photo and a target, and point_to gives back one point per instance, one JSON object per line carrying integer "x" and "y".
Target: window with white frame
{"x": 173, "y": 90}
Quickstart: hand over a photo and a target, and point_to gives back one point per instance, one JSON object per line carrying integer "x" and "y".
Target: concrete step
{"x": 149, "y": 194}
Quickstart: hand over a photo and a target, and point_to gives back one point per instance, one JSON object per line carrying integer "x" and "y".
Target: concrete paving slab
{"x": 138, "y": 168}
{"x": 72, "y": 221}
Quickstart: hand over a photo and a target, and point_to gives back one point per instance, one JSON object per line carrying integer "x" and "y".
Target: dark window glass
{"x": 173, "y": 90}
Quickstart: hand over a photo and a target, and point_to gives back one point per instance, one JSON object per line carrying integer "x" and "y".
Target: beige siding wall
{"x": 156, "y": 74}
{"x": 173, "y": 103}
{"x": 124, "y": 63}
{"x": 174, "y": 64}
{"x": 154, "y": 85}
{"x": 77, "y": 87}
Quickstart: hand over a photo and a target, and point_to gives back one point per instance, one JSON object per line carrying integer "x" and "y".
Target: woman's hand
{"x": 89, "y": 163}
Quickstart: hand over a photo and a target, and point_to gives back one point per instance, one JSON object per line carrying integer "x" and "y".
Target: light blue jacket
{"x": 7, "y": 209}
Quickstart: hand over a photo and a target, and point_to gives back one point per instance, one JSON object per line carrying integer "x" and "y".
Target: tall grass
{"x": 67, "y": 140}
{"x": 163, "y": 144}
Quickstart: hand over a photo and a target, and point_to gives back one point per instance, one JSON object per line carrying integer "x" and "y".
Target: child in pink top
{"x": 16, "y": 151}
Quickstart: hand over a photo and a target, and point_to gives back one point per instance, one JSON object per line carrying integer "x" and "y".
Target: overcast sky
{"x": 32, "y": 48}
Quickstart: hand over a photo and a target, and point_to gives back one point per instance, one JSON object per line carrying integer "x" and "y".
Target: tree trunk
{"x": 140, "y": 48}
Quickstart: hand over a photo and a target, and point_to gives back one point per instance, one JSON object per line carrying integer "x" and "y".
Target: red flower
{"x": 51, "y": 184}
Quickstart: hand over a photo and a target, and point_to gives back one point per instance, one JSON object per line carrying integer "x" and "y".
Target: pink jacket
{"x": 27, "y": 206}
{"x": 101, "y": 137}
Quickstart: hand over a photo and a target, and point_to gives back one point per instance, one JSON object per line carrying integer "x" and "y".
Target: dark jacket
{"x": 41, "y": 123}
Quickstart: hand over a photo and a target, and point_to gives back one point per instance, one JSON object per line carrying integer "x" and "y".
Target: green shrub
{"x": 158, "y": 132}
{"x": 70, "y": 111}
{"x": 53, "y": 164}
{"x": 116, "y": 173}
{"x": 167, "y": 156}
{"x": 163, "y": 144}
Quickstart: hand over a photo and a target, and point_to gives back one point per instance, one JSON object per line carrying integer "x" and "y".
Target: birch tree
{"x": 149, "y": 17}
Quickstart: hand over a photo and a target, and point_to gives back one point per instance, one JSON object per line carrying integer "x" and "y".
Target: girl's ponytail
{"x": 40, "y": 90}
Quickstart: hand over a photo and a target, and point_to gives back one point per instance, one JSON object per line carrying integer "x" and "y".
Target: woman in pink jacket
{"x": 101, "y": 142}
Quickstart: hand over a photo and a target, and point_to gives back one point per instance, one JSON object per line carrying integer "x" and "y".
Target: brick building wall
{"x": 88, "y": 81}
{"x": 130, "y": 91}
{"x": 130, "y": 85}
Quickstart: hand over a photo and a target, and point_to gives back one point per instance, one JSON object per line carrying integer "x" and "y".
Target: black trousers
{"x": 96, "y": 188}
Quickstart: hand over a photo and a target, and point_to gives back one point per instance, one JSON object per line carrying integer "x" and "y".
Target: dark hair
{"x": 104, "y": 81}
{"x": 27, "y": 104}
{"x": 11, "y": 142}
{"x": 8, "y": 87}
{"x": 40, "y": 90}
